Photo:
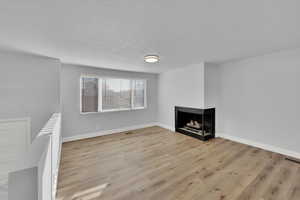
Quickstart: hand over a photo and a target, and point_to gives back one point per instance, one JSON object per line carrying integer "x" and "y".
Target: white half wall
{"x": 180, "y": 87}
{"x": 260, "y": 100}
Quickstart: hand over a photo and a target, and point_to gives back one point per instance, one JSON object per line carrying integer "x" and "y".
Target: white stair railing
{"x": 53, "y": 130}
{"x": 44, "y": 153}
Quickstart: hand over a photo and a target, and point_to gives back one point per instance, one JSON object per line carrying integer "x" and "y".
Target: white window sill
{"x": 138, "y": 108}
{"x": 113, "y": 110}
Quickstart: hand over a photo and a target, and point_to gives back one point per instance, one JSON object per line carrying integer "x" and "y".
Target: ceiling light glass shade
{"x": 151, "y": 58}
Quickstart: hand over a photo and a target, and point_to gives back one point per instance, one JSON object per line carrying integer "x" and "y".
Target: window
{"x": 89, "y": 97}
{"x": 138, "y": 93}
{"x": 111, "y": 94}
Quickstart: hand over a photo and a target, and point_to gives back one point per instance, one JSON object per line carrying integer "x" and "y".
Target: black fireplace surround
{"x": 195, "y": 122}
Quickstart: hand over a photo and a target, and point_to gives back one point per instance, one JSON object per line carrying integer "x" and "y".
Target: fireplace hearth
{"x": 195, "y": 122}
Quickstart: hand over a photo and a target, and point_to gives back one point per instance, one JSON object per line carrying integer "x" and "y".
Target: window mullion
{"x": 145, "y": 94}
{"x": 132, "y": 93}
{"x": 100, "y": 108}
{"x": 120, "y": 91}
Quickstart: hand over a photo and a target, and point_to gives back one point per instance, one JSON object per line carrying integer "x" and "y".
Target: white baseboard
{"x": 107, "y": 132}
{"x": 166, "y": 126}
{"x": 261, "y": 145}
{"x": 225, "y": 136}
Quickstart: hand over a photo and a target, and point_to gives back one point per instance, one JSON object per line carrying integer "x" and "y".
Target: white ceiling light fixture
{"x": 151, "y": 58}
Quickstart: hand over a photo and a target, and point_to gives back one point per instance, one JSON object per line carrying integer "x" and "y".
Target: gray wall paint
{"x": 75, "y": 123}
{"x": 260, "y": 99}
{"x": 180, "y": 87}
{"x": 29, "y": 87}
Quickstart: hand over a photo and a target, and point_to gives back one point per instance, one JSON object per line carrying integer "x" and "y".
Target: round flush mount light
{"x": 151, "y": 58}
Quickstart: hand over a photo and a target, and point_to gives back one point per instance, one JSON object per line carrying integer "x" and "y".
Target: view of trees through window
{"x": 108, "y": 94}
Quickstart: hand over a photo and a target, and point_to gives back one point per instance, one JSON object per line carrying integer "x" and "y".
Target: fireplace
{"x": 198, "y": 123}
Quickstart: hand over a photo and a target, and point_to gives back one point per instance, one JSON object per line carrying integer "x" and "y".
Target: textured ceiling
{"x": 118, "y": 33}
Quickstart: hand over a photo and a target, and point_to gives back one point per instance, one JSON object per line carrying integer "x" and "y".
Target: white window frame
{"x": 100, "y": 78}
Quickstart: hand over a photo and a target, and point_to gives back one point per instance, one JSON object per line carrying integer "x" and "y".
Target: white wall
{"x": 23, "y": 185}
{"x": 29, "y": 87}
{"x": 75, "y": 124}
{"x": 260, "y": 99}
{"x": 211, "y": 85}
{"x": 180, "y": 87}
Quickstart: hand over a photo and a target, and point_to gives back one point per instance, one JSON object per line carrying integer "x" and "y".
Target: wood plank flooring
{"x": 156, "y": 164}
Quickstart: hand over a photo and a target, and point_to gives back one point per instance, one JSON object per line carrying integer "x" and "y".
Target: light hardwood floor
{"x": 154, "y": 163}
